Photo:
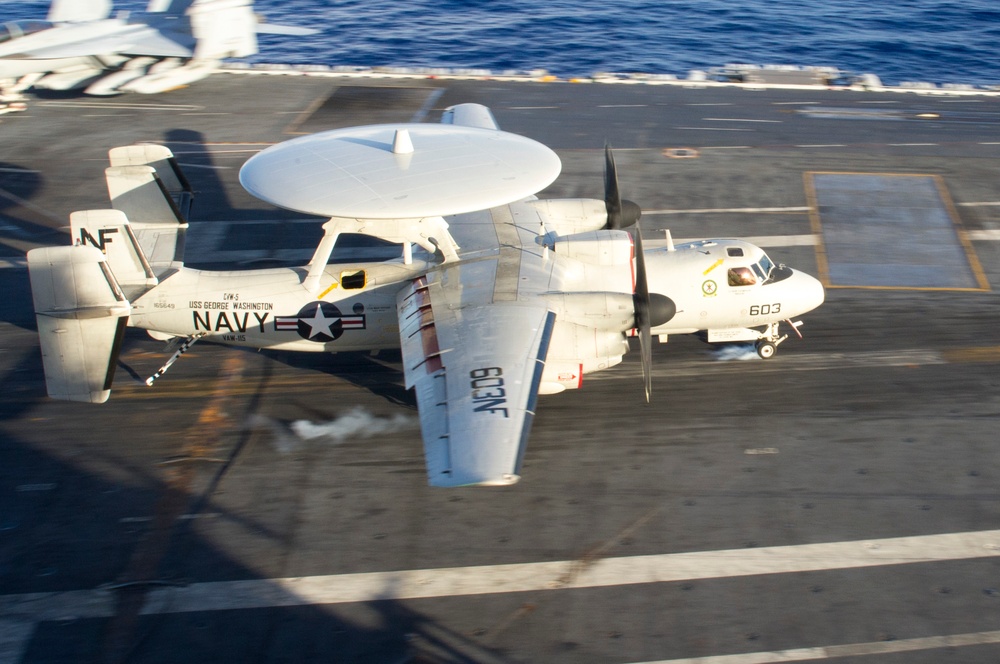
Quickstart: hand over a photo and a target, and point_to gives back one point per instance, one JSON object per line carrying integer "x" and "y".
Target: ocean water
{"x": 939, "y": 41}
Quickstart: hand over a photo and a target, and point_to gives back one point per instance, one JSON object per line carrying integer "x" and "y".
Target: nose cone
{"x": 810, "y": 292}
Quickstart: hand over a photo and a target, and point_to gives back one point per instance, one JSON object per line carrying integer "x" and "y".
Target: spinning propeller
{"x": 651, "y": 310}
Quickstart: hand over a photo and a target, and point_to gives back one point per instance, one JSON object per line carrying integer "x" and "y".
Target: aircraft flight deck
{"x": 836, "y": 502}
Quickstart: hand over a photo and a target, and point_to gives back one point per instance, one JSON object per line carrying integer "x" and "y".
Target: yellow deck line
{"x": 822, "y": 260}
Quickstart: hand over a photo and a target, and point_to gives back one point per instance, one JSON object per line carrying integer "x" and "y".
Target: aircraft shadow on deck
{"x": 73, "y": 530}
{"x": 18, "y": 186}
{"x": 381, "y": 375}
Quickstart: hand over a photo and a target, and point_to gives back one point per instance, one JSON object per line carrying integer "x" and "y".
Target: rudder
{"x": 146, "y": 184}
{"x": 70, "y": 11}
{"x": 110, "y": 232}
{"x": 81, "y": 314}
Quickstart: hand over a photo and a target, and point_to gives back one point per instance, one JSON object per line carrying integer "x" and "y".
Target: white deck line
{"x": 652, "y": 240}
{"x": 20, "y": 613}
{"x": 511, "y": 578}
{"x": 746, "y": 210}
{"x": 845, "y": 650}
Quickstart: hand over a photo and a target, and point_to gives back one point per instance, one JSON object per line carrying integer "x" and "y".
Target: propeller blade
{"x": 642, "y": 314}
{"x": 648, "y": 309}
{"x": 612, "y": 196}
{"x": 621, "y": 213}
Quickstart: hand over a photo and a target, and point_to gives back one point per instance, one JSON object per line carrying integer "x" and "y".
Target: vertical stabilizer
{"x": 168, "y": 171}
{"x": 147, "y": 186}
{"x": 81, "y": 315}
{"x": 71, "y": 11}
{"x": 223, "y": 29}
{"x": 110, "y": 232}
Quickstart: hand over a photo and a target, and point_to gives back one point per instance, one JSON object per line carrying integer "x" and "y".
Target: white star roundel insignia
{"x": 321, "y": 322}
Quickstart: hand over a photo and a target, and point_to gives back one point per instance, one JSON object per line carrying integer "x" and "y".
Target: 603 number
{"x": 765, "y": 309}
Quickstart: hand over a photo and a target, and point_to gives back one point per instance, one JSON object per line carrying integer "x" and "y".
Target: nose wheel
{"x": 766, "y": 349}
{"x": 767, "y": 344}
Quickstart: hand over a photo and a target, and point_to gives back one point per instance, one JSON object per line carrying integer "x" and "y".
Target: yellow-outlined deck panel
{"x": 895, "y": 231}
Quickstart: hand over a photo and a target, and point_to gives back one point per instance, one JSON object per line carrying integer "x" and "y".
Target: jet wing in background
{"x": 134, "y": 40}
{"x": 475, "y": 370}
{"x": 174, "y": 43}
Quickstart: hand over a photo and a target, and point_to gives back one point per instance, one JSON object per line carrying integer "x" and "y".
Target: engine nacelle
{"x": 606, "y": 312}
{"x": 566, "y": 216}
{"x": 575, "y": 350}
{"x": 602, "y": 247}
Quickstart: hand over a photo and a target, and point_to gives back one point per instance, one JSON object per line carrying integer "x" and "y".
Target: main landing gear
{"x": 767, "y": 344}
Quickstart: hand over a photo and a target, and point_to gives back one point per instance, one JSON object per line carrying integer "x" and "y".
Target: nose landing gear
{"x": 767, "y": 344}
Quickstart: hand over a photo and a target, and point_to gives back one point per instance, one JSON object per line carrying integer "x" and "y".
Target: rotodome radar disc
{"x": 404, "y": 171}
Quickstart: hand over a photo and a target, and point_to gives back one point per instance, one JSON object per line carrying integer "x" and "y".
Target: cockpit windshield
{"x": 764, "y": 265}
{"x": 17, "y": 29}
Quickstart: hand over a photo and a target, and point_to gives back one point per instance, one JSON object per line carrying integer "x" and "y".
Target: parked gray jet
{"x": 173, "y": 43}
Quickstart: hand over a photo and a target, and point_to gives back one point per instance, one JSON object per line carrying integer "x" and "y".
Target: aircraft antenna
{"x": 401, "y": 142}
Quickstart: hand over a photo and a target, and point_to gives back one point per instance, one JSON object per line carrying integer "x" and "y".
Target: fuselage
{"x": 722, "y": 284}
{"x": 272, "y": 309}
{"x": 715, "y": 285}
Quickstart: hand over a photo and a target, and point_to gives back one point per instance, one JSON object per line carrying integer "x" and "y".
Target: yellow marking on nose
{"x": 714, "y": 265}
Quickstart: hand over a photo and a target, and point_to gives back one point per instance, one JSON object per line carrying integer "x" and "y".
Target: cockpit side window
{"x": 741, "y": 276}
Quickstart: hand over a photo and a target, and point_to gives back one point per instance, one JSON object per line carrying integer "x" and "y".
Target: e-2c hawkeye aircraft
{"x": 175, "y": 42}
{"x": 494, "y": 297}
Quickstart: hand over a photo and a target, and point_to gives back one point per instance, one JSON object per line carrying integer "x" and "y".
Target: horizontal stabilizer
{"x": 285, "y": 30}
{"x": 81, "y": 315}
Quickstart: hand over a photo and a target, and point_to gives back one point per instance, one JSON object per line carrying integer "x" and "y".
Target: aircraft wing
{"x": 475, "y": 369}
{"x": 140, "y": 40}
